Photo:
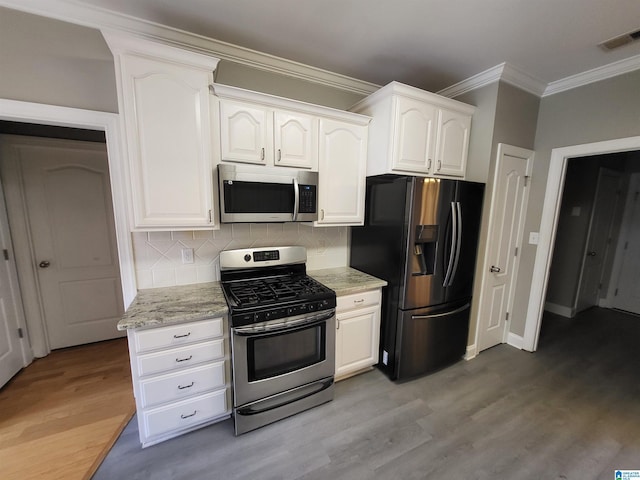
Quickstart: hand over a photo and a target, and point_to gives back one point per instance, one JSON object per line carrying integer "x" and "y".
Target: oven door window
{"x": 273, "y": 355}
{"x": 258, "y": 197}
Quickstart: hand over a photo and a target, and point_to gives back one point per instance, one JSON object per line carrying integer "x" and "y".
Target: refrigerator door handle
{"x": 458, "y": 244}
{"x": 454, "y": 238}
{"x": 443, "y": 314}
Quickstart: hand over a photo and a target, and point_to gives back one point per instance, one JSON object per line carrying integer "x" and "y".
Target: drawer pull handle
{"x": 359, "y": 301}
{"x": 184, "y": 359}
{"x": 180, "y": 387}
{"x": 182, "y": 336}
{"x": 187, "y": 416}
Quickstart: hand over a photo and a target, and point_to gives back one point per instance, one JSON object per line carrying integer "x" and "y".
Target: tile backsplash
{"x": 158, "y": 255}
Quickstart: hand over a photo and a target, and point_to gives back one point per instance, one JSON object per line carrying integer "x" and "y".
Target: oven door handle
{"x": 252, "y": 331}
{"x": 283, "y": 399}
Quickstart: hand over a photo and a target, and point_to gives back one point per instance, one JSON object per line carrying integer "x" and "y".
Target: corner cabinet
{"x": 181, "y": 377}
{"x": 357, "y": 332}
{"x": 274, "y": 131}
{"x": 164, "y": 101}
{"x": 416, "y": 132}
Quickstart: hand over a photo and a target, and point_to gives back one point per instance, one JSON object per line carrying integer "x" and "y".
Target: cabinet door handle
{"x": 180, "y": 387}
{"x": 337, "y": 324}
{"x": 182, "y": 336}
{"x": 184, "y": 359}
{"x": 359, "y": 301}
{"x": 429, "y": 164}
{"x": 439, "y": 164}
{"x": 279, "y": 154}
{"x": 322, "y": 214}
{"x": 495, "y": 269}
{"x": 187, "y": 416}
{"x": 262, "y": 154}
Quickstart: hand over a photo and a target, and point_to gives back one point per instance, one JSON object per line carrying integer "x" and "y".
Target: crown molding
{"x": 505, "y": 72}
{"x": 595, "y": 75}
{"x": 94, "y": 17}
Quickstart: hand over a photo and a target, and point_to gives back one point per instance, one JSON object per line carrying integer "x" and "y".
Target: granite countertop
{"x": 185, "y": 303}
{"x": 166, "y": 305}
{"x": 346, "y": 280}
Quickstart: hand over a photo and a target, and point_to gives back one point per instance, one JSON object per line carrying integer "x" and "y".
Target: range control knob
{"x": 247, "y": 258}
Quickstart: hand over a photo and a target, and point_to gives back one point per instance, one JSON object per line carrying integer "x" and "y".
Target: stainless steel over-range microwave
{"x": 252, "y": 194}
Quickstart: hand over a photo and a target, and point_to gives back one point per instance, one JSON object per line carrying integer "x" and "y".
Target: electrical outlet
{"x": 187, "y": 255}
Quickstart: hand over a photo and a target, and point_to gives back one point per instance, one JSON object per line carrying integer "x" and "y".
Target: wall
{"x": 506, "y": 114}
{"x": 55, "y": 63}
{"x": 605, "y": 110}
{"x": 159, "y": 262}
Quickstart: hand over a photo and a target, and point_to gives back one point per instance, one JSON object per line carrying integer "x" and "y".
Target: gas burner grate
{"x": 269, "y": 290}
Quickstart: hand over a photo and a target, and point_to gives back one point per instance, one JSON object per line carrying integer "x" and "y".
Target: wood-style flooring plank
{"x": 61, "y": 414}
{"x": 569, "y": 411}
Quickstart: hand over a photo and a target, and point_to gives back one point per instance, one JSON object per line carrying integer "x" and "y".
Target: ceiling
{"x": 430, "y": 44}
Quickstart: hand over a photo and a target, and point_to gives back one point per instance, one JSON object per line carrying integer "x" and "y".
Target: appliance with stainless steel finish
{"x": 250, "y": 193}
{"x": 282, "y": 334}
{"x": 421, "y": 236}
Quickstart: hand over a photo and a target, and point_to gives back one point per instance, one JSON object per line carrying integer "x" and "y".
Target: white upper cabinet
{"x": 253, "y": 133}
{"x": 343, "y": 158}
{"x": 163, "y": 95}
{"x": 416, "y": 132}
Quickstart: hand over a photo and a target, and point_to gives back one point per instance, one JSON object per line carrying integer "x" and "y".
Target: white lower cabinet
{"x": 357, "y": 332}
{"x": 181, "y": 378}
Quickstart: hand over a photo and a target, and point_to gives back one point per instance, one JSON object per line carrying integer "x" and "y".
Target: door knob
{"x": 494, "y": 269}
{"x": 591, "y": 254}
{"x": 44, "y": 264}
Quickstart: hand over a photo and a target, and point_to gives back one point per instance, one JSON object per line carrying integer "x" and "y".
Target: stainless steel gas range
{"x": 282, "y": 334}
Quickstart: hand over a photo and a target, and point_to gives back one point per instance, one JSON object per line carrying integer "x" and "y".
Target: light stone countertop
{"x": 346, "y": 280}
{"x": 188, "y": 303}
{"x": 166, "y": 305}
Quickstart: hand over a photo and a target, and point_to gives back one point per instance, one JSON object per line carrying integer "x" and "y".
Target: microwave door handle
{"x": 296, "y": 199}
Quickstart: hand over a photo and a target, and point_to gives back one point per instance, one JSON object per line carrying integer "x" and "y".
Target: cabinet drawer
{"x": 181, "y": 357}
{"x": 357, "y": 300}
{"x": 182, "y": 384}
{"x": 184, "y": 414}
{"x": 174, "y": 335}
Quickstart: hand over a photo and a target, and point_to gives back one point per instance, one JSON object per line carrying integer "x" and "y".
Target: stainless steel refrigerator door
{"x": 430, "y": 248}
{"x": 430, "y": 338}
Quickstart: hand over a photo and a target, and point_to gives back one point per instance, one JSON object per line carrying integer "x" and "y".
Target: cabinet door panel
{"x": 357, "y": 340}
{"x": 415, "y": 135}
{"x": 341, "y": 167}
{"x": 169, "y": 144}
{"x": 244, "y": 133}
{"x": 296, "y": 140}
{"x": 453, "y": 142}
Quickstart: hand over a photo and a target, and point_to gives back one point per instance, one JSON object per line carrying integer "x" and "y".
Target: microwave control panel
{"x": 307, "y": 199}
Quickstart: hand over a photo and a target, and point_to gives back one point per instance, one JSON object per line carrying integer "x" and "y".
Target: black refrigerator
{"x": 421, "y": 236}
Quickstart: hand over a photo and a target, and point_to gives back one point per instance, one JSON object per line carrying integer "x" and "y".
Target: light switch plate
{"x": 533, "y": 238}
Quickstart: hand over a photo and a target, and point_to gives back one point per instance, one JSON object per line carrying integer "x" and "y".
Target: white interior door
{"x": 597, "y": 250}
{"x": 627, "y": 289}
{"x": 11, "y": 314}
{"x": 70, "y": 217}
{"x": 506, "y": 227}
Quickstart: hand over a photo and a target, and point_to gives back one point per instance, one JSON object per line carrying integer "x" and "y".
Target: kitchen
{"x": 500, "y": 121}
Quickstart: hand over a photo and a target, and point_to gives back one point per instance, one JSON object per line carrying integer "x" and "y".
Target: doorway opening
{"x": 549, "y": 224}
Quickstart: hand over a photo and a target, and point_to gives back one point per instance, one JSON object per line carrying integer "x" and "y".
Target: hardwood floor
{"x": 569, "y": 411}
{"x": 61, "y": 414}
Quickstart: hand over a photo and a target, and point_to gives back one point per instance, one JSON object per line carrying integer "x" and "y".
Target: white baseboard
{"x": 472, "y": 352}
{"x": 560, "y": 310}
{"x": 515, "y": 340}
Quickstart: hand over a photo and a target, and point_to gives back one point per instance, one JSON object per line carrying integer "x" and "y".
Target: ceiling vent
{"x": 620, "y": 40}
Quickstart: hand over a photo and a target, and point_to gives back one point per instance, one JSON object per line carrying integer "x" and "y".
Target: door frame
{"x": 549, "y": 225}
{"x": 109, "y": 123}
